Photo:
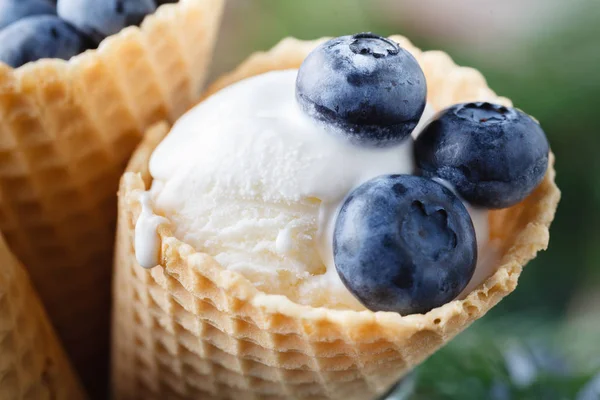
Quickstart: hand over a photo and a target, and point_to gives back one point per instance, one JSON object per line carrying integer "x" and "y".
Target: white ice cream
{"x": 249, "y": 179}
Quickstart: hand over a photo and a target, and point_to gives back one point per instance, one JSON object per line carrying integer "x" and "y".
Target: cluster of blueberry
{"x": 35, "y": 29}
{"x": 406, "y": 243}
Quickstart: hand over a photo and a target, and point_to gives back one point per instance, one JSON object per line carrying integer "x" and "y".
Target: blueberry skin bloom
{"x": 37, "y": 37}
{"x": 14, "y": 10}
{"x": 404, "y": 243}
{"x": 364, "y": 85}
{"x": 494, "y": 156}
{"x": 101, "y": 18}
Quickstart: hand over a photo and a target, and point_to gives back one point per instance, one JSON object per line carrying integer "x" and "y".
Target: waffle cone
{"x": 33, "y": 364}
{"x": 190, "y": 329}
{"x": 67, "y": 130}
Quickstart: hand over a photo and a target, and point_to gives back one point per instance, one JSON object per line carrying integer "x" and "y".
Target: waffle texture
{"x": 67, "y": 130}
{"x": 33, "y": 364}
{"x": 190, "y": 329}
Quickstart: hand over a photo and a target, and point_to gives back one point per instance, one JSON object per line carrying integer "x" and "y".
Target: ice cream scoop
{"x": 247, "y": 177}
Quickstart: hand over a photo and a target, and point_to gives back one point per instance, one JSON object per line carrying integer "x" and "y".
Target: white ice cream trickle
{"x": 146, "y": 238}
{"x": 248, "y": 178}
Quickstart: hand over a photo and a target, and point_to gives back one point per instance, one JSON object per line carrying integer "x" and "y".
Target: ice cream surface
{"x": 251, "y": 180}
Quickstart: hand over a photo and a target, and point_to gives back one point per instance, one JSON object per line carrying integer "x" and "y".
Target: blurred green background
{"x": 543, "y": 341}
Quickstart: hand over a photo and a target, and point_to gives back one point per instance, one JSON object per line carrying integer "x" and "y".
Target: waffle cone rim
{"x": 163, "y": 12}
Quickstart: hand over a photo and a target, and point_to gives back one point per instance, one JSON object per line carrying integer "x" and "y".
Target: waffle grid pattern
{"x": 67, "y": 130}
{"x": 189, "y": 329}
{"x": 33, "y": 364}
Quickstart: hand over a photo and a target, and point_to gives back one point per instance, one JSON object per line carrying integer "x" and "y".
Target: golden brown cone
{"x": 33, "y": 364}
{"x": 190, "y": 329}
{"x": 67, "y": 130}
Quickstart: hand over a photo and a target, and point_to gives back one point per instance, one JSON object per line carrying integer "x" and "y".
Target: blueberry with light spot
{"x": 14, "y": 10}
{"x": 405, "y": 244}
{"x": 101, "y": 18}
{"x": 494, "y": 156}
{"x": 365, "y": 86}
{"x": 44, "y": 36}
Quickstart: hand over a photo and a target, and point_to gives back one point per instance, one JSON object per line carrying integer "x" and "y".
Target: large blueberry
{"x": 101, "y": 18}
{"x": 493, "y": 155}
{"x": 404, "y": 243}
{"x": 364, "y": 85}
{"x": 43, "y": 36}
{"x": 14, "y": 10}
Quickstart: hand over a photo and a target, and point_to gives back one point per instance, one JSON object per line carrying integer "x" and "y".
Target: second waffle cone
{"x": 67, "y": 130}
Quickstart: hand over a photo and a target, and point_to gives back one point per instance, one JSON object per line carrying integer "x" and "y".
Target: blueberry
{"x": 404, "y": 243}
{"x": 161, "y": 2}
{"x": 366, "y": 86}
{"x": 101, "y": 18}
{"x": 494, "y": 156}
{"x": 42, "y": 36}
{"x": 14, "y": 10}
